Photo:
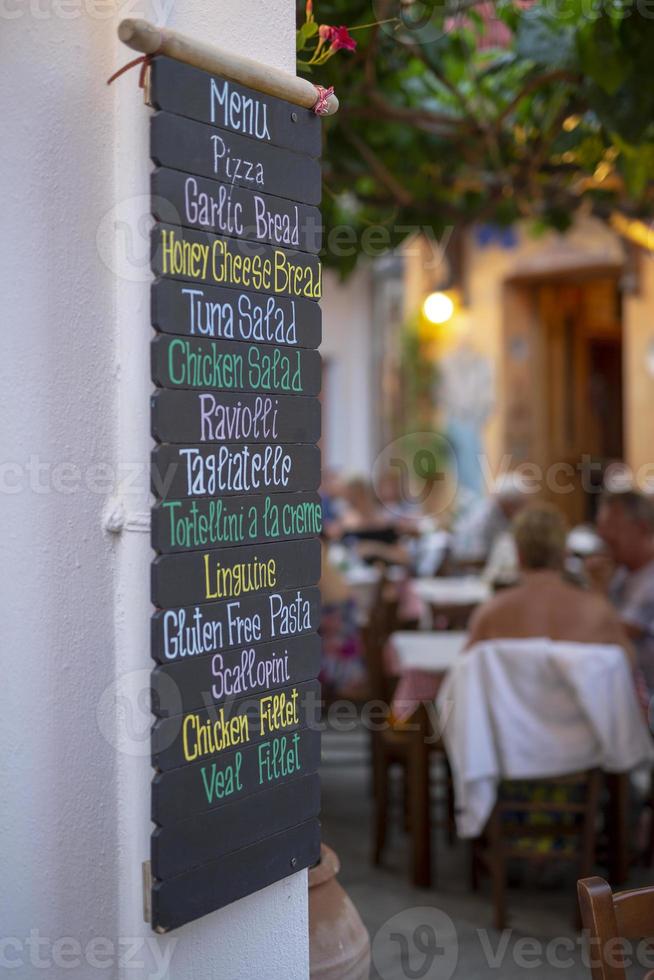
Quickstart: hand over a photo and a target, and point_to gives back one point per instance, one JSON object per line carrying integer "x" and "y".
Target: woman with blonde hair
{"x": 543, "y": 603}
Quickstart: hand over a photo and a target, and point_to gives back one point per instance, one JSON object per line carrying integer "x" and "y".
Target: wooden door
{"x": 581, "y": 361}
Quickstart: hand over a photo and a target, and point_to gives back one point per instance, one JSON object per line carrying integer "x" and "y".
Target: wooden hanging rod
{"x": 148, "y": 39}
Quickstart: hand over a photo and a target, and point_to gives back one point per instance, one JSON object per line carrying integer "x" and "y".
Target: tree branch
{"x": 422, "y": 119}
{"x": 381, "y": 172}
{"x": 539, "y": 81}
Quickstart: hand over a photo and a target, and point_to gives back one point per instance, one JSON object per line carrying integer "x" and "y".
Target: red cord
{"x": 143, "y": 61}
{"x": 320, "y": 105}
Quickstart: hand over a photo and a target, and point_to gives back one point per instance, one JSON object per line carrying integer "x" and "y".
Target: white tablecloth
{"x": 420, "y": 661}
{"x": 452, "y": 591}
{"x": 433, "y": 652}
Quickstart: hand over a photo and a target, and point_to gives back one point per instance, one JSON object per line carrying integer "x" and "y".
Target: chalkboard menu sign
{"x": 235, "y": 473}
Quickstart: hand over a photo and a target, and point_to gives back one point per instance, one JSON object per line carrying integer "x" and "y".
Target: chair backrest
{"x": 373, "y": 657}
{"x": 609, "y": 919}
{"x": 375, "y": 634}
{"x": 383, "y": 620}
{"x": 574, "y": 703}
{"x": 529, "y": 708}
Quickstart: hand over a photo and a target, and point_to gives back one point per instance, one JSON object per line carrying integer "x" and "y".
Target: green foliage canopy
{"x": 486, "y": 112}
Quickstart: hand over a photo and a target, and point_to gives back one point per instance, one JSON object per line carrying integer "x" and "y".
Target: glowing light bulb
{"x": 438, "y": 308}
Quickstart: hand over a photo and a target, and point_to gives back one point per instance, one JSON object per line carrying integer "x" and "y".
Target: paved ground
{"x": 445, "y": 932}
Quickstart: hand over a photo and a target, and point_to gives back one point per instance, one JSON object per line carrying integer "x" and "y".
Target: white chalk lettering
{"x": 241, "y": 113}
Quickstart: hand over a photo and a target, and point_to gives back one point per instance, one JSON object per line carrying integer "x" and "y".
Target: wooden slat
{"x": 192, "y": 631}
{"x": 196, "y": 893}
{"x": 190, "y": 843}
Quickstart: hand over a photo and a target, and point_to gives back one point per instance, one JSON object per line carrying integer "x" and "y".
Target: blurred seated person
{"x": 405, "y": 515}
{"x": 342, "y": 669}
{"x": 543, "y": 604}
{"x": 364, "y": 512}
{"x": 502, "y": 567}
{"x": 625, "y": 522}
{"x": 370, "y": 526}
{"x": 478, "y": 529}
{"x": 583, "y": 543}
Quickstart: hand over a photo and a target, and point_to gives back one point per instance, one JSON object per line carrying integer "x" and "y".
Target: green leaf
{"x": 304, "y": 33}
{"x": 559, "y": 217}
{"x": 499, "y": 63}
{"x": 600, "y": 54}
{"x": 538, "y": 227}
{"x": 589, "y": 152}
{"x": 546, "y": 41}
{"x": 636, "y": 164}
{"x": 629, "y": 112}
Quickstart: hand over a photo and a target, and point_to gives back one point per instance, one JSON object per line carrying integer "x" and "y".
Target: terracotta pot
{"x": 339, "y": 941}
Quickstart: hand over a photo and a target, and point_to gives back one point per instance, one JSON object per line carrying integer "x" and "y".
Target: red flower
{"x": 309, "y": 10}
{"x": 341, "y": 38}
{"x": 331, "y": 40}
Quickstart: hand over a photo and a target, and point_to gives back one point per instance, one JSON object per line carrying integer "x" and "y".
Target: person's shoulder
{"x": 506, "y": 598}
{"x": 485, "y": 619}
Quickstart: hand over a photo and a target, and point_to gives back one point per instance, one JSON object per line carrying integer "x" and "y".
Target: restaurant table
{"x": 419, "y": 660}
{"x": 452, "y": 591}
{"x": 362, "y": 581}
{"x": 449, "y": 602}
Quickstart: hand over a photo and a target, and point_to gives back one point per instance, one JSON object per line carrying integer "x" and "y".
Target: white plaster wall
{"x": 348, "y": 440}
{"x": 74, "y": 818}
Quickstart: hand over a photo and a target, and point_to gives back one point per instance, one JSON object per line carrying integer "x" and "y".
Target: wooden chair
{"x": 382, "y": 621}
{"x": 506, "y": 837}
{"x": 610, "y": 918}
{"x": 407, "y": 746}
